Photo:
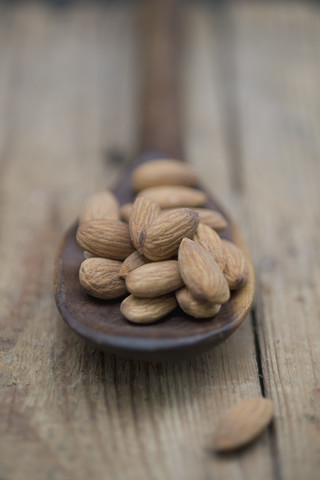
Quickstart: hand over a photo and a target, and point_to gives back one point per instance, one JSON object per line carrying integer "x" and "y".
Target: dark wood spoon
{"x": 101, "y": 322}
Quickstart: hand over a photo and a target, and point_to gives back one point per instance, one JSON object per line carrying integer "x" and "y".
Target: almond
{"x": 100, "y": 278}
{"x": 195, "y": 308}
{"x": 105, "y": 238}
{"x": 175, "y": 196}
{"x": 154, "y": 279}
{"x": 160, "y": 240}
{"x": 125, "y": 212}
{"x": 211, "y": 242}
{"x": 143, "y": 211}
{"x": 209, "y": 217}
{"x": 133, "y": 261}
{"x": 147, "y": 310}
{"x": 100, "y": 205}
{"x": 236, "y": 270}
{"x": 212, "y": 218}
{"x": 201, "y": 274}
{"x": 163, "y": 172}
{"x": 243, "y": 423}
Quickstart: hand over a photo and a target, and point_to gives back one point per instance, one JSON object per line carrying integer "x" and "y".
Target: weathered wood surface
{"x": 69, "y": 98}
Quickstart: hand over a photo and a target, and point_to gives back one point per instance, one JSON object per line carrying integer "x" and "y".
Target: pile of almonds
{"x": 161, "y": 251}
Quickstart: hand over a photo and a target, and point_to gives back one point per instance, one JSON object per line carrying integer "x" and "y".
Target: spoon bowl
{"x": 176, "y": 336}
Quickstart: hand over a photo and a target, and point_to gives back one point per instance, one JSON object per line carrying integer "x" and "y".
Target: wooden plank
{"x": 56, "y": 75}
{"x": 277, "y": 65}
{"x": 69, "y": 83}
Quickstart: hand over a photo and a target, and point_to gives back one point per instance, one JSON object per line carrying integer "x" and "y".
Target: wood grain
{"x": 69, "y": 95}
{"x": 278, "y": 98}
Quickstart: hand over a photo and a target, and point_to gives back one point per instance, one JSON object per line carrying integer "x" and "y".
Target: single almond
{"x": 201, "y": 274}
{"x": 133, "y": 261}
{"x": 100, "y": 278}
{"x": 175, "y": 196}
{"x": 143, "y": 212}
{"x": 212, "y": 218}
{"x": 195, "y": 308}
{"x": 125, "y": 211}
{"x": 236, "y": 270}
{"x": 211, "y": 242}
{"x": 105, "y": 238}
{"x": 243, "y": 423}
{"x": 163, "y": 172}
{"x": 99, "y": 206}
{"x": 147, "y": 310}
{"x": 161, "y": 239}
{"x": 154, "y": 279}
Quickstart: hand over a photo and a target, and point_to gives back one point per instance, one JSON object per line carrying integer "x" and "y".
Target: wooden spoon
{"x": 101, "y": 322}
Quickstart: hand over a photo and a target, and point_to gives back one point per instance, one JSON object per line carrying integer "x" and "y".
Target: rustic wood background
{"x": 69, "y": 119}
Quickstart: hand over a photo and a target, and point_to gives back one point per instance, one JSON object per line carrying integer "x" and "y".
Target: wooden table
{"x": 69, "y": 121}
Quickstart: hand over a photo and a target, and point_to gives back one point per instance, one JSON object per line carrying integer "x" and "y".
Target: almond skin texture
{"x": 212, "y": 218}
{"x": 154, "y": 279}
{"x": 99, "y": 206}
{"x": 211, "y": 242}
{"x": 147, "y": 310}
{"x": 161, "y": 239}
{"x": 133, "y": 261}
{"x": 194, "y": 307}
{"x": 163, "y": 172}
{"x": 100, "y": 278}
{"x": 236, "y": 270}
{"x": 209, "y": 217}
{"x": 143, "y": 212}
{"x": 175, "y": 196}
{"x": 243, "y": 423}
{"x": 125, "y": 211}
{"x": 105, "y": 238}
{"x": 201, "y": 274}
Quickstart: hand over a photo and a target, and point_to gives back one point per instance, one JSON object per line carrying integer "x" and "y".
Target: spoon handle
{"x": 161, "y": 123}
